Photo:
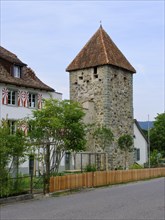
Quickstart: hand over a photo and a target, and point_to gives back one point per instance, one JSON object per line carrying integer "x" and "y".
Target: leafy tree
{"x": 125, "y": 143}
{"x": 57, "y": 128}
{"x": 5, "y": 151}
{"x": 104, "y": 136}
{"x": 157, "y": 134}
{"x": 12, "y": 145}
{"x": 155, "y": 158}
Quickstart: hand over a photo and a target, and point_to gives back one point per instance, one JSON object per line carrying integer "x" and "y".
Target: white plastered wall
{"x": 141, "y": 143}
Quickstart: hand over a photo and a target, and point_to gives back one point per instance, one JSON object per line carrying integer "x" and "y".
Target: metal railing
{"x": 12, "y": 186}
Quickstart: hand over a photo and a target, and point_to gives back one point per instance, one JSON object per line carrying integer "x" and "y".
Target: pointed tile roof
{"x": 28, "y": 76}
{"x": 100, "y": 50}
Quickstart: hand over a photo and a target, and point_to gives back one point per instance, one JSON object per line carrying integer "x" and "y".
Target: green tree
{"x": 103, "y": 136}
{"x": 12, "y": 145}
{"x": 57, "y": 128}
{"x": 125, "y": 143}
{"x": 157, "y": 134}
{"x": 5, "y": 150}
{"x": 155, "y": 158}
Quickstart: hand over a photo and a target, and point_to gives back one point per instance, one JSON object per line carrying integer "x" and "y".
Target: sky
{"x": 47, "y": 35}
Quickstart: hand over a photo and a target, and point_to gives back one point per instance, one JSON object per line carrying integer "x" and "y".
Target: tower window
{"x": 95, "y": 69}
{"x": 95, "y": 72}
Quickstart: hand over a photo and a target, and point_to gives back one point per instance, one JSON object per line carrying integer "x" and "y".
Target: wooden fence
{"x": 101, "y": 178}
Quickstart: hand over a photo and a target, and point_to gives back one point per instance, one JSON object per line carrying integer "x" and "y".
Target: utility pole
{"x": 148, "y": 143}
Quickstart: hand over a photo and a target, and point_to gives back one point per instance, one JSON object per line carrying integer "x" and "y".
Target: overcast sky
{"x": 47, "y": 35}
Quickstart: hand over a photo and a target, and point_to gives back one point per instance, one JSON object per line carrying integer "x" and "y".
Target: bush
{"x": 58, "y": 174}
{"x": 13, "y": 186}
{"x": 90, "y": 168}
{"x": 136, "y": 166}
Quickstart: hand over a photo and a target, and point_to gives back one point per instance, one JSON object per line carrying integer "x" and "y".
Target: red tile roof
{"x": 100, "y": 50}
{"x": 28, "y": 77}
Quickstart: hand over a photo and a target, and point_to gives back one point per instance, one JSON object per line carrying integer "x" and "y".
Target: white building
{"x": 140, "y": 145}
{"x": 21, "y": 91}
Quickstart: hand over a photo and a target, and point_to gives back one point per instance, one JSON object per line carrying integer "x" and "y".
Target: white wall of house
{"x": 140, "y": 143}
{"x": 14, "y": 112}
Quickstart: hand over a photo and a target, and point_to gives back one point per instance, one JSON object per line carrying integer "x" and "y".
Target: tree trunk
{"x": 15, "y": 172}
{"x": 47, "y": 174}
{"x": 15, "y": 167}
{"x": 125, "y": 160}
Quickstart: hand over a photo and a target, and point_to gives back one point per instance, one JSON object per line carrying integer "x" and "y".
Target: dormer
{"x": 17, "y": 71}
{"x": 14, "y": 71}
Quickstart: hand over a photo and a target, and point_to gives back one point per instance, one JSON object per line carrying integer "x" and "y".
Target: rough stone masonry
{"x": 101, "y": 79}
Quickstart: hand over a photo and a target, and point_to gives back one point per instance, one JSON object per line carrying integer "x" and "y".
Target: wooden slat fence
{"x": 101, "y": 178}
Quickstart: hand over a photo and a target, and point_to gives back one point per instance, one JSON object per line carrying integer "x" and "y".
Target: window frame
{"x": 17, "y": 71}
{"x": 137, "y": 154}
{"x": 12, "y": 97}
{"x": 32, "y": 99}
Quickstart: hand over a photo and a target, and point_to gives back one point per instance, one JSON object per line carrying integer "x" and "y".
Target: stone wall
{"x": 106, "y": 93}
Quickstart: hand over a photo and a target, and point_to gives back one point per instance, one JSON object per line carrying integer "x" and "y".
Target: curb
{"x": 16, "y": 198}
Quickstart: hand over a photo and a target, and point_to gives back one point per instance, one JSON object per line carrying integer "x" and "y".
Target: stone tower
{"x": 101, "y": 79}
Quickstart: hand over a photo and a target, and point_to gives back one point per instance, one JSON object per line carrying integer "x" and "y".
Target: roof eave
{"x": 132, "y": 70}
{"x": 140, "y": 129}
{"x": 27, "y": 86}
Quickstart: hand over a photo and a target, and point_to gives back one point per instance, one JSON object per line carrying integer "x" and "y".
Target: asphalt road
{"x": 133, "y": 201}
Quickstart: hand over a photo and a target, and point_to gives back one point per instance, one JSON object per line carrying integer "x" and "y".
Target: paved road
{"x": 133, "y": 201}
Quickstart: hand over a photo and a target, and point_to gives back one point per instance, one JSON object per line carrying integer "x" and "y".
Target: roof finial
{"x": 100, "y": 24}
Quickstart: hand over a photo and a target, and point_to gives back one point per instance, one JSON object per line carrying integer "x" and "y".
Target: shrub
{"x": 136, "y": 166}
{"x": 90, "y": 168}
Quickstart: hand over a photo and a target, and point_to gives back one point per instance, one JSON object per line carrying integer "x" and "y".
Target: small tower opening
{"x": 95, "y": 72}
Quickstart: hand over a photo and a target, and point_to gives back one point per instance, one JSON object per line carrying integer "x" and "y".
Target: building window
{"x": 11, "y": 97}
{"x": 95, "y": 70}
{"x": 137, "y": 154}
{"x": 17, "y": 71}
{"x": 95, "y": 74}
{"x": 32, "y": 100}
{"x": 12, "y": 126}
